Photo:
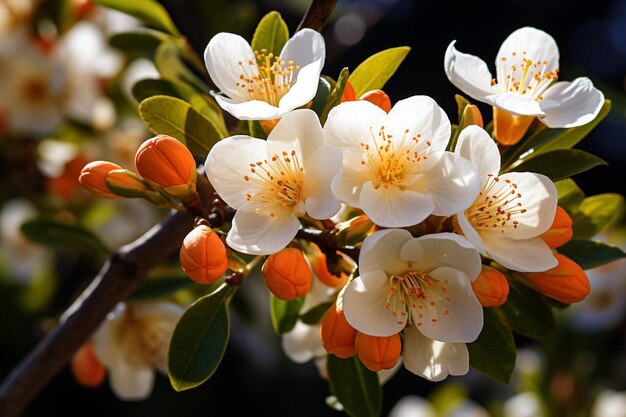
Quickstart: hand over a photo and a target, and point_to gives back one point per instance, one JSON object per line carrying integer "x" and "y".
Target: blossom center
{"x": 279, "y": 183}
{"x": 526, "y": 76}
{"x": 267, "y": 79}
{"x": 392, "y": 161}
{"x": 147, "y": 340}
{"x": 416, "y": 296}
{"x": 496, "y": 207}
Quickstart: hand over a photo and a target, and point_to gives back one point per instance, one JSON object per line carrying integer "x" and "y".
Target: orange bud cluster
{"x": 561, "y": 230}
{"x": 509, "y": 128}
{"x": 338, "y": 337}
{"x": 566, "y": 282}
{"x": 86, "y": 368}
{"x": 93, "y": 177}
{"x": 376, "y": 97}
{"x": 491, "y": 287}
{"x": 287, "y": 274}
{"x": 378, "y": 353}
{"x": 203, "y": 255}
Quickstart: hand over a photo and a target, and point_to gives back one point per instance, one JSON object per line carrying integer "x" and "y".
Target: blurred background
{"x": 87, "y": 113}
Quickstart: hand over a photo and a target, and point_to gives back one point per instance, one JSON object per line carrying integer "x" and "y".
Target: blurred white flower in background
{"x": 610, "y": 403}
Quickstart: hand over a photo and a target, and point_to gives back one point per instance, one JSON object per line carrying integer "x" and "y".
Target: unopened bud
{"x": 471, "y": 116}
{"x": 338, "y": 337}
{"x": 354, "y": 230}
{"x": 287, "y": 274}
{"x": 86, "y": 368}
{"x": 378, "y": 353}
{"x": 203, "y": 255}
{"x": 268, "y": 125}
{"x": 320, "y": 268}
{"x": 167, "y": 163}
{"x": 93, "y": 176}
{"x": 509, "y": 128}
{"x": 379, "y": 98}
{"x": 348, "y": 93}
{"x": 561, "y": 230}
{"x": 491, "y": 287}
{"x": 566, "y": 282}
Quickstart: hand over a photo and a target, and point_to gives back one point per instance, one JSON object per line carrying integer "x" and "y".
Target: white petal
{"x": 420, "y": 115}
{"x": 228, "y": 162}
{"x": 305, "y": 47}
{"x": 412, "y": 406}
{"x": 303, "y": 343}
{"x": 130, "y": 382}
{"x": 468, "y": 73}
{"x": 107, "y": 340}
{"x": 381, "y": 252}
{"x": 390, "y": 206}
{"x": 526, "y": 43}
{"x": 470, "y": 233}
{"x": 453, "y": 184}
{"x": 257, "y": 234}
{"x": 350, "y": 124}
{"x": 304, "y": 89}
{"x": 539, "y": 199}
{"x": 429, "y": 252}
{"x": 464, "y": 318}
{"x": 515, "y": 103}
{"x": 222, "y": 56}
{"x": 299, "y": 130}
{"x": 348, "y": 183}
{"x": 364, "y": 306}
{"x": 248, "y": 110}
{"x": 571, "y": 104}
{"x": 158, "y": 310}
{"x": 475, "y": 145}
{"x": 320, "y": 201}
{"x": 528, "y": 255}
{"x": 431, "y": 359}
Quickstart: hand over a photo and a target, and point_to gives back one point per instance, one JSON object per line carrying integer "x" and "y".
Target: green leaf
{"x": 170, "y": 65}
{"x": 356, "y": 387}
{"x": 315, "y": 314}
{"x": 255, "y": 129}
{"x": 560, "y": 164}
{"x": 270, "y": 34}
{"x": 60, "y": 235}
{"x": 284, "y": 313}
{"x": 204, "y": 104}
{"x": 596, "y": 213}
{"x": 375, "y": 71}
{"x": 144, "y": 41}
{"x": 322, "y": 95}
{"x": 336, "y": 93}
{"x": 590, "y": 253}
{"x": 570, "y": 195}
{"x": 161, "y": 287}
{"x": 149, "y": 12}
{"x": 199, "y": 341}
{"x": 176, "y": 118}
{"x": 528, "y": 312}
{"x": 461, "y": 103}
{"x": 494, "y": 352}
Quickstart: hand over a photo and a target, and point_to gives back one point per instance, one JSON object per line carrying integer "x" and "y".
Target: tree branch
{"x": 317, "y": 14}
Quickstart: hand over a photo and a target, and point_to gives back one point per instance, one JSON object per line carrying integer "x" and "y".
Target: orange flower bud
{"x": 86, "y": 368}
{"x": 320, "y": 267}
{"x": 471, "y": 116}
{"x": 125, "y": 183}
{"x": 93, "y": 176}
{"x": 287, "y": 274}
{"x": 268, "y": 125}
{"x": 379, "y": 98}
{"x": 378, "y": 353}
{"x": 338, "y": 337}
{"x": 508, "y": 128}
{"x": 203, "y": 255}
{"x": 566, "y": 282}
{"x": 167, "y": 163}
{"x": 348, "y": 93}
{"x": 561, "y": 230}
{"x": 491, "y": 287}
{"x": 67, "y": 183}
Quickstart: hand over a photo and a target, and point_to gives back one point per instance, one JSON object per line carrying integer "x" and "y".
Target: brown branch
{"x": 317, "y": 14}
{"x": 326, "y": 241}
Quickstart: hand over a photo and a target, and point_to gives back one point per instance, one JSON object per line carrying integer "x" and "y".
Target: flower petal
{"x": 390, "y": 206}
{"x": 412, "y": 406}
{"x": 432, "y": 359}
{"x": 453, "y": 184}
{"x": 381, "y": 252}
{"x": 455, "y": 318}
{"x": 528, "y": 255}
{"x": 303, "y": 343}
{"x": 348, "y": 183}
{"x": 303, "y": 48}
{"x": 429, "y": 252}
{"x": 571, "y": 104}
{"x": 475, "y": 145}
{"x": 257, "y": 234}
{"x": 526, "y": 43}
{"x": 515, "y": 103}
{"x": 222, "y": 57}
{"x": 131, "y": 382}
{"x": 107, "y": 339}
{"x": 470, "y": 233}
{"x": 468, "y": 73}
{"x": 228, "y": 162}
{"x": 304, "y": 88}
{"x": 364, "y": 305}
{"x": 320, "y": 201}
{"x": 248, "y": 110}
{"x": 350, "y": 124}
{"x": 299, "y": 130}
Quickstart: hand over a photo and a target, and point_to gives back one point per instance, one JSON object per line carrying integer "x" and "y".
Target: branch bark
{"x": 317, "y": 15}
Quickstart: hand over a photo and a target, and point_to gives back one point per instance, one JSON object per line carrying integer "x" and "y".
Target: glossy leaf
{"x": 375, "y": 71}
{"x": 494, "y": 352}
{"x": 144, "y": 41}
{"x": 60, "y": 235}
{"x": 335, "y": 94}
{"x": 560, "y": 164}
{"x": 596, "y": 213}
{"x": 527, "y": 311}
{"x": 199, "y": 341}
{"x": 322, "y": 95}
{"x": 315, "y": 314}
{"x": 570, "y": 195}
{"x": 176, "y": 118}
{"x": 150, "y": 12}
{"x": 270, "y": 34}
{"x": 171, "y": 66}
{"x": 284, "y": 314}
{"x": 356, "y": 387}
{"x": 591, "y": 254}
